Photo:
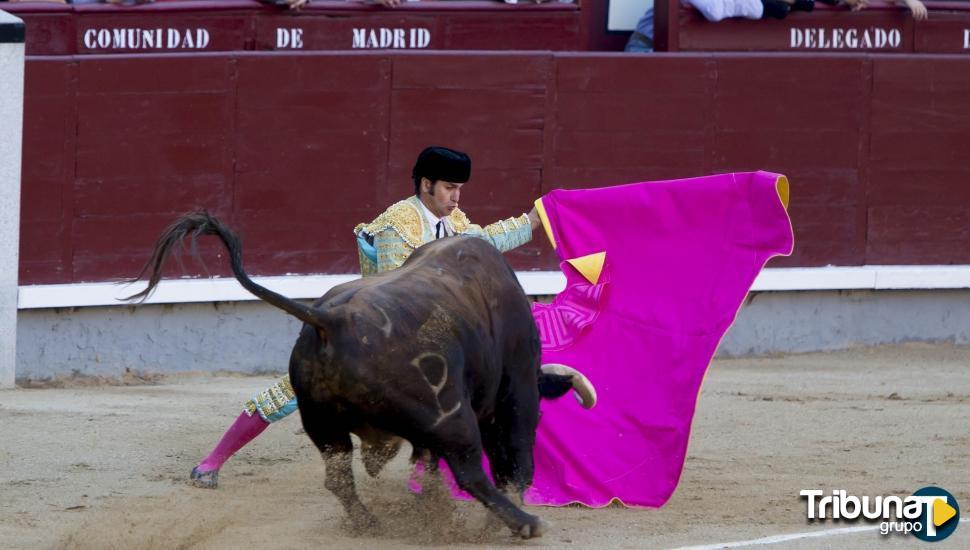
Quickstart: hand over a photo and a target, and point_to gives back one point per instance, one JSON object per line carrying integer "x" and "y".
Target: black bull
{"x": 443, "y": 352}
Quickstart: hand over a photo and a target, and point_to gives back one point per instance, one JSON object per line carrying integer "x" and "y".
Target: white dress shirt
{"x": 433, "y": 220}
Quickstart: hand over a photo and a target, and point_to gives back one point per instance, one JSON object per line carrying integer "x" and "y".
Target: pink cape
{"x": 664, "y": 267}
{"x": 680, "y": 257}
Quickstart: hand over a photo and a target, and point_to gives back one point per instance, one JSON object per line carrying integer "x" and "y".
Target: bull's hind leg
{"x": 337, "y": 451}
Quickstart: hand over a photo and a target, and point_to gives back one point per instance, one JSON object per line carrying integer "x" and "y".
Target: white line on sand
{"x": 785, "y": 538}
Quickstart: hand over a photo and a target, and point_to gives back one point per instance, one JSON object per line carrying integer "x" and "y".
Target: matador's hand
{"x": 534, "y": 219}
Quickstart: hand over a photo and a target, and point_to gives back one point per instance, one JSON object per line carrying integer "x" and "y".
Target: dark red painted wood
{"x": 944, "y": 32}
{"x": 918, "y": 195}
{"x": 417, "y": 30}
{"x": 294, "y": 149}
{"x": 888, "y": 27}
{"x": 597, "y": 37}
{"x": 768, "y": 113}
{"x": 316, "y": 127}
{"x": 511, "y": 31}
{"x": 152, "y": 32}
{"x": 494, "y": 108}
{"x": 235, "y": 25}
{"x": 933, "y": 235}
{"x": 134, "y": 74}
{"x": 113, "y": 247}
{"x": 491, "y": 106}
{"x": 49, "y": 145}
{"x": 50, "y": 33}
{"x": 347, "y": 31}
{"x": 152, "y": 142}
{"x": 50, "y": 27}
{"x": 626, "y": 118}
{"x": 666, "y": 32}
{"x": 881, "y": 28}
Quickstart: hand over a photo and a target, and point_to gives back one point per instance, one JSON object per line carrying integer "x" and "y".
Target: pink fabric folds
{"x": 680, "y": 256}
{"x": 576, "y": 307}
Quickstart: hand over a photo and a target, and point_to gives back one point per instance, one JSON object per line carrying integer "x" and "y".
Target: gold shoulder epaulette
{"x": 401, "y": 216}
{"x": 459, "y": 221}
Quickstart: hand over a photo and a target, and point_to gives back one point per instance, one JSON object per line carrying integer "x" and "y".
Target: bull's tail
{"x": 201, "y": 223}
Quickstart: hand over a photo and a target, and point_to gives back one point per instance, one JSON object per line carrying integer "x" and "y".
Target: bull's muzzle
{"x": 583, "y": 387}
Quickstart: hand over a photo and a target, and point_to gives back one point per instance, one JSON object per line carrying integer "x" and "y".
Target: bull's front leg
{"x": 509, "y": 439}
{"x": 337, "y": 455}
{"x": 470, "y": 476}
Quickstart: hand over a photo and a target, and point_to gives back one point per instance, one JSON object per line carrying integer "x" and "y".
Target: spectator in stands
{"x": 115, "y": 2}
{"x": 809, "y": 5}
{"x": 713, "y": 10}
{"x": 916, "y": 7}
{"x": 641, "y": 40}
{"x": 291, "y": 4}
{"x": 388, "y": 3}
{"x": 297, "y": 4}
{"x": 392, "y": 3}
{"x": 718, "y": 10}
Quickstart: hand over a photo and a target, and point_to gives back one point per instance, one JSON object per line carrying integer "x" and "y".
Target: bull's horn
{"x": 583, "y": 387}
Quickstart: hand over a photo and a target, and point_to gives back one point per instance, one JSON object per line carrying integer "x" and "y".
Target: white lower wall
{"x": 254, "y": 337}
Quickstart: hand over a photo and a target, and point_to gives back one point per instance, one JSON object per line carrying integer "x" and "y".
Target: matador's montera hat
{"x": 441, "y": 163}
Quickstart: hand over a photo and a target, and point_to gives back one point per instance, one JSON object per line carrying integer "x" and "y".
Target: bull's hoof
{"x": 533, "y": 529}
{"x": 204, "y": 480}
{"x": 364, "y": 523}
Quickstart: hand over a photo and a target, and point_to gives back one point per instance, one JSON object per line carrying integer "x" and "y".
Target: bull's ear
{"x": 322, "y": 335}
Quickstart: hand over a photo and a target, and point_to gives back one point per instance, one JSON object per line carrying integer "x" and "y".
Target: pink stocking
{"x": 242, "y": 431}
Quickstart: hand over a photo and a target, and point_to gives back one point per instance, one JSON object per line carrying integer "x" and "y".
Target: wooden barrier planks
{"x": 296, "y": 148}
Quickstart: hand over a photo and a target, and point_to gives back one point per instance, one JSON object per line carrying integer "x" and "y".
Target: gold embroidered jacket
{"x": 403, "y": 227}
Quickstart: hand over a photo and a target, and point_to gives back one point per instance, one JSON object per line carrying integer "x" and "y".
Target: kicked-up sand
{"x": 102, "y": 464}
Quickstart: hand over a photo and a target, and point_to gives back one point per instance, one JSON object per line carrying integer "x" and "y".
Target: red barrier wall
{"x": 882, "y": 27}
{"x": 245, "y": 25}
{"x": 293, "y": 149}
{"x": 239, "y": 25}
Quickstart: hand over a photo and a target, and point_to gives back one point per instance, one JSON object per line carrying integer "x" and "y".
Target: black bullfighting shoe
{"x": 205, "y": 480}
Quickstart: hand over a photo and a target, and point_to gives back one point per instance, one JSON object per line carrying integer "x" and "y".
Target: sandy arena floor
{"x": 101, "y": 466}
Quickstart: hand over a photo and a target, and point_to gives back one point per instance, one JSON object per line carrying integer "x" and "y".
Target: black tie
{"x": 439, "y": 230}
